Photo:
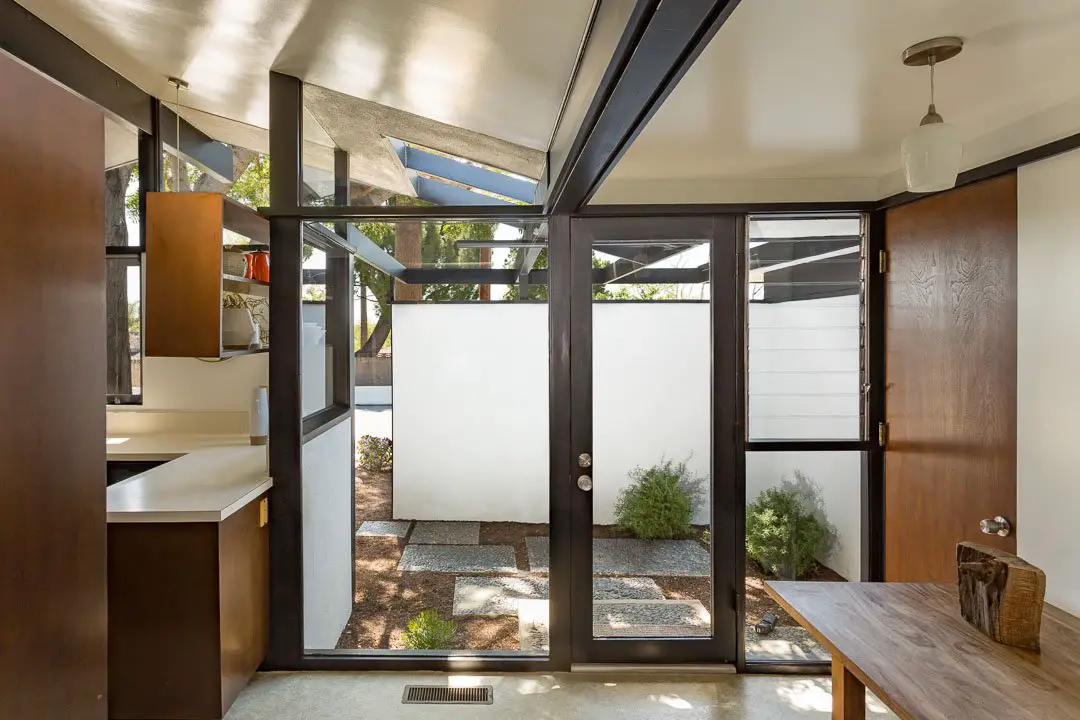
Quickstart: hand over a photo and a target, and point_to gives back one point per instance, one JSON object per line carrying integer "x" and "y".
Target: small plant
{"x": 659, "y": 502}
{"x": 427, "y": 631}
{"x": 786, "y": 528}
{"x": 375, "y": 453}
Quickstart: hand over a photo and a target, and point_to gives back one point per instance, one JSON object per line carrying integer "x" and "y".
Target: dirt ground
{"x": 386, "y": 599}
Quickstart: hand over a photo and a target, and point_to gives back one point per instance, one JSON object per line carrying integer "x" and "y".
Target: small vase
{"x": 259, "y": 416}
{"x": 238, "y": 329}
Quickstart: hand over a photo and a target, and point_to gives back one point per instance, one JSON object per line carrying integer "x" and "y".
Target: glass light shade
{"x": 931, "y": 156}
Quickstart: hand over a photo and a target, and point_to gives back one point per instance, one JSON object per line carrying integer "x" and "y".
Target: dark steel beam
{"x": 286, "y": 646}
{"x": 660, "y": 44}
{"x": 385, "y": 213}
{"x": 29, "y": 40}
{"x": 150, "y": 167}
{"x": 779, "y": 211}
{"x": 503, "y": 276}
{"x": 440, "y": 166}
{"x": 198, "y": 148}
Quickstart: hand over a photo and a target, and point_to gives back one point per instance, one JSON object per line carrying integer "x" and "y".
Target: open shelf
{"x": 244, "y": 280}
{"x": 227, "y": 353}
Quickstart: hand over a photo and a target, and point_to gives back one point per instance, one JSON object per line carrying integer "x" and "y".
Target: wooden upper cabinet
{"x": 185, "y": 282}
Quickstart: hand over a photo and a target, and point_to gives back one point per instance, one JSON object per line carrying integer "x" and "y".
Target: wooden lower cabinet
{"x": 188, "y": 615}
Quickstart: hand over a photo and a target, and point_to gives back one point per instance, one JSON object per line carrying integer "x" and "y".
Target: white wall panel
{"x": 1048, "y": 386}
{"x": 328, "y": 536}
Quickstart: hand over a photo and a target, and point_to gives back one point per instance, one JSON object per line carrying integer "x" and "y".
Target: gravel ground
{"x": 626, "y": 556}
{"x": 384, "y": 528}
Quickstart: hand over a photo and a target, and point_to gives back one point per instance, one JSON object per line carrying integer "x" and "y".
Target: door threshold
{"x": 634, "y": 669}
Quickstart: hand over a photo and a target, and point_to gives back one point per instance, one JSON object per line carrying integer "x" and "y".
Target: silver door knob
{"x": 997, "y": 526}
{"x": 585, "y": 483}
{"x": 584, "y": 460}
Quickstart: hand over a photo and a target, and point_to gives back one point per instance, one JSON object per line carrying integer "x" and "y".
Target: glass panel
{"x": 316, "y": 352}
{"x": 398, "y": 158}
{"x": 652, "y": 568}
{"x": 805, "y": 357}
{"x": 803, "y": 522}
{"x": 123, "y": 314}
{"x": 452, "y": 477}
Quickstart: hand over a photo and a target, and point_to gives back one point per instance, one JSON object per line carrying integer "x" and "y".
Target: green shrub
{"x": 427, "y": 631}
{"x": 375, "y": 453}
{"x": 658, "y": 504}
{"x": 786, "y": 528}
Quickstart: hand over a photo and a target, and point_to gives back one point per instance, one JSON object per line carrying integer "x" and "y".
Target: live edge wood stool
{"x": 909, "y": 644}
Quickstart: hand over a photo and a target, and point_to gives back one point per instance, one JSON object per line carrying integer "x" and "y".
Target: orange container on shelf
{"x": 258, "y": 265}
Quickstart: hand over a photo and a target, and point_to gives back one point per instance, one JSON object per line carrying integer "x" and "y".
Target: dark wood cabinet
{"x": 188, "y": 614}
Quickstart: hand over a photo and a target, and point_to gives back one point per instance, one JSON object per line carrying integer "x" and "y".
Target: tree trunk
{"x": 407, "y": 251}
{"x": 118, "y": 341}
{"x": 374, "y": 344}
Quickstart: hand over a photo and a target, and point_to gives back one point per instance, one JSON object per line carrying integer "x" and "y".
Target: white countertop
{"x": 210, "y": 478}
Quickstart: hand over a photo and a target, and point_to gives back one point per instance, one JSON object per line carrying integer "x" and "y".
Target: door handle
{"x": 995, "y": 526}
{"x": 585, "y": 483}
{"x": 584, "y": 460}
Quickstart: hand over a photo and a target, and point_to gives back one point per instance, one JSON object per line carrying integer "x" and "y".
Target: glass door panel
{"x": 645, "y": 552}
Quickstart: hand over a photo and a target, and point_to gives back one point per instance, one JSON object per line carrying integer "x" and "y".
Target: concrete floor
{"x": 357, "y": 696}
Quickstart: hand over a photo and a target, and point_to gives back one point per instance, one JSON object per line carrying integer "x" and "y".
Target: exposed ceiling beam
{"x": 659, "y": 43}
{"x": 463, "y": 173}
{"x": 499, "y": 276}
{"x": 357, "y": 243}
{"x": 640, "y": 261}
{"x": 30, "y": 40}
{"x": 198, "y": 148}
{"x": 774, "y": 251}
{"x": 441, "y": 193}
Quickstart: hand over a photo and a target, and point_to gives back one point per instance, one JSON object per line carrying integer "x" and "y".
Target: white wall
{"x": 471, "y": 393}
{"x": 1048, "y": 385}
{"x": 651, "y": 371}
{"x": 328, "y": 540}
{"x": 190, "y": 384}
{"x": 471, "y": 412}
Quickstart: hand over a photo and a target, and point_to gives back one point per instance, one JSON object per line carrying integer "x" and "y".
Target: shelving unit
{"x": 185, "y": 278}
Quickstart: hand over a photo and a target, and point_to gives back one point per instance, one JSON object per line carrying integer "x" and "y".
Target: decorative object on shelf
{"x": 234, "y": 262}
{"x": 931, "y": 154}
{"x": 259, "y": 416}
{"x": 238, "y": 327}
{"x": 1000, "y": 594}
{"x": 258, "y": 266}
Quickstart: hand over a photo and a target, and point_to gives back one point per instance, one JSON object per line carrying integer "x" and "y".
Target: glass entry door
{"x": 655, "y": 507}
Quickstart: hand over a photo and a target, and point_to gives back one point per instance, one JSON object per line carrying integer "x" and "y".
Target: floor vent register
{"x": 442, "y": 695}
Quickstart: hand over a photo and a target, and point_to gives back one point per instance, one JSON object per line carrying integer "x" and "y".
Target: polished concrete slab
{"x": 353, "y": 696}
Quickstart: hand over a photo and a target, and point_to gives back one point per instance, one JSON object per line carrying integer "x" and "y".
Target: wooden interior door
{"x": 950, "y": 458}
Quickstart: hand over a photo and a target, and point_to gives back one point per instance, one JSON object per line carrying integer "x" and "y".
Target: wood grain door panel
{"x": 950, "y": 376}
{"x": 52, "y": 390}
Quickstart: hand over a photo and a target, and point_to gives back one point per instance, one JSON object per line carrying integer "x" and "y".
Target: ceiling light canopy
{"x": 931, "y": 154}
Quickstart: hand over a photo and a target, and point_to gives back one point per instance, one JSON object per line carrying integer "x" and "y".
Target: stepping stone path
{"x": 650, "y": 618}
{"x": 445, "y": 533}
{"x": 626, "y": 556}
{"x": 384, "y": 528}
{"x": 495, "y": 595}
{"x": 458, "y": 558}
{"x": 618, "y": 618}
{"x": 502, "y": 595}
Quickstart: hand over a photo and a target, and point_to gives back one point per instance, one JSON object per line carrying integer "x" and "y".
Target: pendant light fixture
{"x": 178, "y": 166}
{"x": 931, "y": 153}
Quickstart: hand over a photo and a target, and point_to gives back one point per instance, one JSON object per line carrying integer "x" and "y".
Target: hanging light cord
{"x": 179, "y": 163}
{"x": 932, "y": 63}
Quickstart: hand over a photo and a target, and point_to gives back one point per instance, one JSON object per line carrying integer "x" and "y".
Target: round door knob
{"x": 585, "y": 483}
{"x": 584, "y": 460}
{"x": 996, "y": 526}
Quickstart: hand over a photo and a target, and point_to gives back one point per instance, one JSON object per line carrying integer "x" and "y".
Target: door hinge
{"x": 736, "y": 596}
{"x": 882, "y": 434}
{"x": 883, "y": 262}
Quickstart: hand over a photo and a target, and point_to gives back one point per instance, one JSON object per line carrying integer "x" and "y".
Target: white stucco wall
{"x": 327, "y": 463}
{"x": 471, "y": 405}
{"x": 1047, "y": 384}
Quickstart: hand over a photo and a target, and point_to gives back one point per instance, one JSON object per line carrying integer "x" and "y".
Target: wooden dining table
{"x": 908, "y": 644}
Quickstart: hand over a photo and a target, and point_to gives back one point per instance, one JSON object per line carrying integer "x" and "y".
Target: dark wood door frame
{"x": 725, "y": 235}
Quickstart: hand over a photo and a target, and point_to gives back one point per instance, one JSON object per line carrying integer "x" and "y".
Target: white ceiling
{"x": 809, "y": 100}
{"x": 497, "y": 67}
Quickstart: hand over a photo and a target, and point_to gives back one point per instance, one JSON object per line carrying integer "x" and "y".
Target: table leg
{"x": 848, "y": 694}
